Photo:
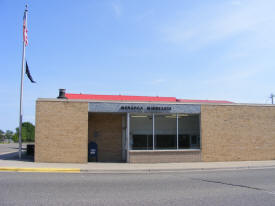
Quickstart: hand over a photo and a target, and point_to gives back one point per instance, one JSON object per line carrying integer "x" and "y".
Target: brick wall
{"x": 106, "y": 131}
{"x": 61, "y": 133}
{"x": 164, "y": 156}
{"x": 235, "y": 133}
{"x": 228, "y": 133}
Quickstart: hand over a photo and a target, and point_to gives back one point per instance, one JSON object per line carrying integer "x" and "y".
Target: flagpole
{"x": 21, "y": 91}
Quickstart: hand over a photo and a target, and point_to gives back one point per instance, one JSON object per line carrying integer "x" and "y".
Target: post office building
{"x": 77, "y": 128}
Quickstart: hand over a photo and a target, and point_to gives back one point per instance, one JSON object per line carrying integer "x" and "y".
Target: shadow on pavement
{"x": 14, "y": 156}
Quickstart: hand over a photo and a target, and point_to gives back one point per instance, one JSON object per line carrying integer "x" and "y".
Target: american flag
{"x": 25, "y": 36}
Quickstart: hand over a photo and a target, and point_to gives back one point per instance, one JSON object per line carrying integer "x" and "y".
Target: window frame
{"x": 192, "y": 147}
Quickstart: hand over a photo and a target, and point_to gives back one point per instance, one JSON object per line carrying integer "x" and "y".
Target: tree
{"x": 28, "y": 130}
{"x": 9, "y": 134}
{"x": 2, "y": 135}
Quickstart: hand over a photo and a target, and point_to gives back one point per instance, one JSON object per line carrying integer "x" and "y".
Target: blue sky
{"x": 197, "y": 49}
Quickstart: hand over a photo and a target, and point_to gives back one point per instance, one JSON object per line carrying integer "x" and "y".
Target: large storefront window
{"x": 189, "y": 131}
{"x": 141, "y": 132}
{"x": 165, "y": 132}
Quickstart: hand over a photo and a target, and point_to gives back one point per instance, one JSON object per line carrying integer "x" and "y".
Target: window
{"x": 142, "y": 142}
{"x": 189, "y": 130}
{"x": 165, "y": 132}
{"x": 184, "y": 141}
{"x": 141, "y": 132}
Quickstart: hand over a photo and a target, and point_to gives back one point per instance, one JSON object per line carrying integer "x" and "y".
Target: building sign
{"x": 114, "y": 107}
{"x": 148, "y": 108}
{"x": 132, "y": 108}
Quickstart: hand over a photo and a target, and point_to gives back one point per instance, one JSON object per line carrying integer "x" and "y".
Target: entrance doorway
{"x": 105, "y": 129}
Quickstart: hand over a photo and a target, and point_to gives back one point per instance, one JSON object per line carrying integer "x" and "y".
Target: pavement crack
{"x": 234, "y": 185}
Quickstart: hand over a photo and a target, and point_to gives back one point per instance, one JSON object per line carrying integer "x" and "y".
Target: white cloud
{"x": 221, "y": 22}
{"x": 117, "y": 9}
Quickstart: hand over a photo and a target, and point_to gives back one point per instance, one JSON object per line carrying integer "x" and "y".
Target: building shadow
{"x": 14, "y": 156}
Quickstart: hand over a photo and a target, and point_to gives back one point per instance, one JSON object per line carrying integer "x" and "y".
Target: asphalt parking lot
{"x": 10, "y": 152}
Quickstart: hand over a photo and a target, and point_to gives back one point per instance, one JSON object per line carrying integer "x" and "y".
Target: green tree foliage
{"x": 27, "y": 132}
{"x": 9, "y": 134}
{"x": 2, "y": 135}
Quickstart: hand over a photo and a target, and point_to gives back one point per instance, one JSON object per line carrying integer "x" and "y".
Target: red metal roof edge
{"x": 139, "y": 98}
{"x": 120, "y": 97}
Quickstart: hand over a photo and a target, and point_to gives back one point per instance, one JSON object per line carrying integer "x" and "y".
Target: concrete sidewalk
{"x": 29, "y": 166}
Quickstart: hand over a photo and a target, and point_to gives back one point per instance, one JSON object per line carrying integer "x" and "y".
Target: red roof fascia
{"x": 203, "y": 101}
{"x": 120, "y": 98}
{"x": 139, "y": 98}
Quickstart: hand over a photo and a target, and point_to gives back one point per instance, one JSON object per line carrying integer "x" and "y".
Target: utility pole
{"x": 272, "y": 96}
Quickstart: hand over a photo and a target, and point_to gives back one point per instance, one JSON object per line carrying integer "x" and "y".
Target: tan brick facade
{"x": 235, "y": 133}
{"x": 228, "y": 133}
{"x": 164, "y": 156}
{"x": 61, "y": 133}
{"x": 106, "y": 131}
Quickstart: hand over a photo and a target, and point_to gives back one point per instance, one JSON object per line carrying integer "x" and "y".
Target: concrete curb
{"x": 128, "y": 171}
{"x": 18, "y": 169}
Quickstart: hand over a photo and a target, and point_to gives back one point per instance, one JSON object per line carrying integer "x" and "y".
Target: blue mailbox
{"x": 92, "y": 150}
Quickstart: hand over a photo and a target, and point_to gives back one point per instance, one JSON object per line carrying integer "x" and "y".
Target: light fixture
{"x": 139, "y": 116}
{"x": 179, "y": 115}
{"x": 184, "y": 115}
{"x": 171, "y": 116}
